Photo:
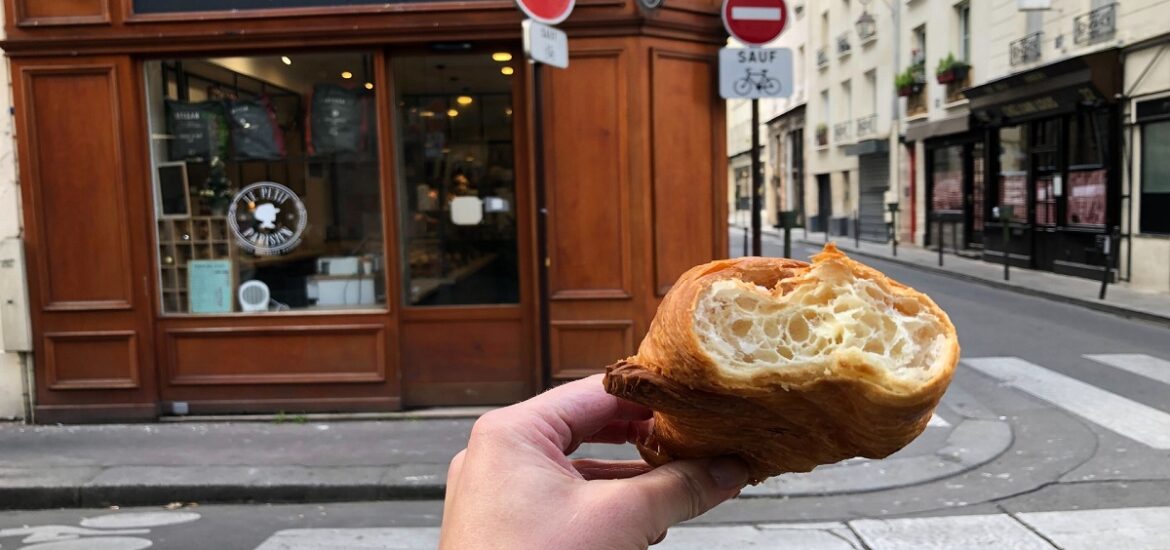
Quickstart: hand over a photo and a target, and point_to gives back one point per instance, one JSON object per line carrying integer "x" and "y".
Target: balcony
{"x": 1095, "y": 26}
{"x": 842, "y": 132}
{"x": 822, "y": 57}
{"x": 867, "y": 126}
{"x": 822, "y": 136}
{"x": 843, "y": 46}
{"x": 1026, "y": 49}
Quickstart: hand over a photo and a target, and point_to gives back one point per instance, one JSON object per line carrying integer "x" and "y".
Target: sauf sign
{"x": 755, "y": 72}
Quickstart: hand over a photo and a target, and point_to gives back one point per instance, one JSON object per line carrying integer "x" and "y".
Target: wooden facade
{"x": 634, "y": 162}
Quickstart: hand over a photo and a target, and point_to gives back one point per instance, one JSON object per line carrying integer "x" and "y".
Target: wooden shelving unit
{"x": 181, "y": 240}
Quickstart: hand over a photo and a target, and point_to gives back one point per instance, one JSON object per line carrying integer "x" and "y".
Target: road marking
{"x": 1136, "y": 363}
{"x": 937, "y": 421}
{"x": 1131, "y": 419}
{"x": 1128, "y": 528}
{"x": 991, "y": 531}
{"x": 755, "y": 14}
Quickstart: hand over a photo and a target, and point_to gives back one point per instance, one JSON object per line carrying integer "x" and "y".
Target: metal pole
{"x": 1006, "y": 220}
{"x": 856, "y": 229}
{"x": 541, "y": 225}
{"x": 940, "y": 242}
{"x": 894, "y": 224}
{"x": 757, "y": 181}
{"x": 1107, "y": 244}
{"x": 787, "y": 237}
{"x": 745, "y": 241}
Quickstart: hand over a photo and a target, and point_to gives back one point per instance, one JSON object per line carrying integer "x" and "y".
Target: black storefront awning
{"x": 1088, "y": 80}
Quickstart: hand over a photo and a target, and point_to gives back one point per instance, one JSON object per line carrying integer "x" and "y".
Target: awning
{"x": 920, "y": 131}
{"x": 1047, "y": 90}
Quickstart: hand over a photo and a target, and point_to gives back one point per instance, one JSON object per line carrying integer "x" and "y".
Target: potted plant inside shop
{"x": 822, "y": 134}
{"x": 951, "y": 70}
{"x": 217, "y": 190}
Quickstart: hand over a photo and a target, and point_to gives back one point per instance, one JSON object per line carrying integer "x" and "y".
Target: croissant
{"x": 788, "y": 365}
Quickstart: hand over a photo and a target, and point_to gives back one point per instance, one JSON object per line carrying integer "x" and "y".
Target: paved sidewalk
{"x": 328, "y": 460}
{"x": 1119, "y": 299}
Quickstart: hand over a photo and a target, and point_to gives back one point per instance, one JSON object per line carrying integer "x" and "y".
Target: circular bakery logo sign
{"x": 267, "y": 218}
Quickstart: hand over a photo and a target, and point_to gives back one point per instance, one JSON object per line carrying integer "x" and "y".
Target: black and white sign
{"x": 267, "y": 218}
{"x": 546, "y": 44}
{"x": 752, "y": 73}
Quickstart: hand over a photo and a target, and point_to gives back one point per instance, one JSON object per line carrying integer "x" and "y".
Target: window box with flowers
{"x": 951, "y": 70}
{"x": 822, "y": 135}
{"x": 910, "y": 81}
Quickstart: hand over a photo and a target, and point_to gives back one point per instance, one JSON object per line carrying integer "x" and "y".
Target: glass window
{"x": 179, "y": 6}
{"x": 266, "y": 183}
{"x": 1013, "y": 174}
{"x": 947, "y": 192}
{"x": 1087, "y": 135}
{"x": 1155, "y": 216}
{"x": 456, "y": 179}
{"x": 963, "y": 11}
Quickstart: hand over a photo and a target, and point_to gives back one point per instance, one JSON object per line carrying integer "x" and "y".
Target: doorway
{"x": 824, "y": 202}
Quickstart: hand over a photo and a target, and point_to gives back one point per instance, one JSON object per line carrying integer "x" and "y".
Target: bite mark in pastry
{"x": 788, "y": 365}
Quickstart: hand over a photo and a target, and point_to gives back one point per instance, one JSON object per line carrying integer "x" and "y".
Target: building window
{"x": 267, "y": 183}
{"x": 1087, "y": 174}
{"x": 947, "y": 174}
{"x": 456, "y": 180}
{"x": 1155, "y": 216}
{"x": 1013, "y": 171}
{"x": 918, "y": 52}
{"x": 963, "y": 11}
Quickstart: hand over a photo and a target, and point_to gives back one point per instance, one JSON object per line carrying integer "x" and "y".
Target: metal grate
{"x": 1099, "y": 24}
{"x": 1026, "y": 49}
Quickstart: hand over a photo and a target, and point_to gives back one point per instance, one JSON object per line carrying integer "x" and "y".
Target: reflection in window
{"x": 267, "y": 183}
{"x": 1013, "y": 175}
{"x": 948, "y": 178}
{"x": 456, "y": 180}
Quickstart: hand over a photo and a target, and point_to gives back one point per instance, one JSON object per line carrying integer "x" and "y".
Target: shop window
{"x": 1013, "y": 172}
{"x": 266, "y": 183}
{"x": 1155, "y": 216}
{"x": 1087, "y": 174}
{"x": 180, "y": 6}
{"x": 947, "y": 191}
{"x": 456, "y": 180}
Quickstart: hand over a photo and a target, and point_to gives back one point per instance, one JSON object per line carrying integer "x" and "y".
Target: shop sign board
{"x": 754, "y": 22}
{"x": 545, "y": 44}
{"x": 549, "y": 12}
{"x": 752, "y": 73}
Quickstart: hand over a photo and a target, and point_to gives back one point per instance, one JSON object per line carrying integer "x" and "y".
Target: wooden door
{"x": 86, "y": 237}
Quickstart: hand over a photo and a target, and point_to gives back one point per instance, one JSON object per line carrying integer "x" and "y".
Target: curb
{"x": 36, "y": 498}
{"x": 1072, "y": 300}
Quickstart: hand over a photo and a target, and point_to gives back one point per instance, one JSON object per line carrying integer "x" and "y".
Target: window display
{"x": 282, "y": 183}
{"x": 456, "y": 179}
{"x": 1013, "y": 173}
{"x": 948, "y": 179}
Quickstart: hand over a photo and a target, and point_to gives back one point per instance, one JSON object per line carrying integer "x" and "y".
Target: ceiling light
{"x": 501, "y": 56}
{"x": 507, "y": 71}
{"x": 452, "y": 113}
{"x": 427, "y": 114}
{"x": 286, "y": 60}
{"x": 369, "y": 85}
{"x": 463, "y": 100}
{"x": 507, "y": 111}
{"x": 346, "y": 75}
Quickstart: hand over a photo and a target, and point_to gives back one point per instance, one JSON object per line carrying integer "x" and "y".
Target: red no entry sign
{"x": 549, "y": 12}
{"x": 754, "y": 22}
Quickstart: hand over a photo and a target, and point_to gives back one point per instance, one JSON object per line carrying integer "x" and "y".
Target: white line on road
{"x": 1137, "y": 363}
{"x": 755, "y": 14}
{"x": 1127, "y": 528}
{"x": 937, "y": 421}
{"x": 1131, "y": 419}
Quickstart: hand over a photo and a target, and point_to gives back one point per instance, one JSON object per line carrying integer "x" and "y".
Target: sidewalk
{"x": 319, "y": 460}
{"x": 1119, "y": 300}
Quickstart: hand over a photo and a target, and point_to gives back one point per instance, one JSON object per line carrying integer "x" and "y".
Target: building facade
{"x": 302, "y": 205}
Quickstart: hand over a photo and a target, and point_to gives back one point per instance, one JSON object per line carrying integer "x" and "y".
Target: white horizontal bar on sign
{"x": 1137, "y": 363}
{"x": 755, "y": 14}
{"x": 1131, "y": 419}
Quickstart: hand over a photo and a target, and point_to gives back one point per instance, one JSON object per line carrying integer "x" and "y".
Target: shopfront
{"x": 302, "y": 205}
{"x": 1052, "y": 157}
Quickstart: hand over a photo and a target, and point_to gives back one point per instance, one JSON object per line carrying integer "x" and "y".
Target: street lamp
{"x": 866, "y": 25}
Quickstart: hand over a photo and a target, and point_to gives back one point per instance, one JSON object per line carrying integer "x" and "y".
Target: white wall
{"x": 11, "y": 385}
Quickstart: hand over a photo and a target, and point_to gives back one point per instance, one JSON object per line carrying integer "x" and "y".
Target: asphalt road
{"x": 1088, "y": 433}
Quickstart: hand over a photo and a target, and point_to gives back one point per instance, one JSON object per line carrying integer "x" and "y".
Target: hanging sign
{"x": 754, "y": 22}
{"x": 752, "y": 73}
{"x": 545, "y": 44}
{"x": 549, "y": 12}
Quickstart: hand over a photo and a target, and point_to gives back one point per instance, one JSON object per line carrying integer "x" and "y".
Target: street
{"x": 1054, "y": 433}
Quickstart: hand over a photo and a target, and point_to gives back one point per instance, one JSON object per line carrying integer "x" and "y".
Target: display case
{"x": 181, "y": 240}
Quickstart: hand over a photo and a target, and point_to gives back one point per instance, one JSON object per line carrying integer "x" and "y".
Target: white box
{"x": 333, "y": 290}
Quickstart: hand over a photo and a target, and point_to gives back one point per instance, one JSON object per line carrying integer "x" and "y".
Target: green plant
{"x": 217, "y": 189}
{"x": 948, "y": 64}
{"x": 903, "y": 80}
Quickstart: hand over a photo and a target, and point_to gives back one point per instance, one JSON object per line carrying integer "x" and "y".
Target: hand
{"x": 514, "y": 486}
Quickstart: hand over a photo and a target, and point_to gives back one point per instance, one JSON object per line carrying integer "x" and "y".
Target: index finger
{"x": 579, "y": 409}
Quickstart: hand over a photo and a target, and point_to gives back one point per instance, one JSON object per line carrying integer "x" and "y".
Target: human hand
{"x": 514, "y": 486}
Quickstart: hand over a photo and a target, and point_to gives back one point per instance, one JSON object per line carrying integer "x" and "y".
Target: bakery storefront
{"x": 301, "y": 205}
{"x": 1051, "y": 150}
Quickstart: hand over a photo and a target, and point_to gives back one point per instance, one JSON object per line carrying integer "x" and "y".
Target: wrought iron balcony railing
{"x": 1097, "y": 25}
{"x": 867, "y": 126}
{"x": 841, "y": 131}
{"x": 1026, "y": 49}
{"x": 822, "y": 58}
{"x": 843, "y": 46}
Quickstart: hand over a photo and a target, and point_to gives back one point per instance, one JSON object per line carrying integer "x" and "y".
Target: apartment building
{"x": 1043, "y": 112}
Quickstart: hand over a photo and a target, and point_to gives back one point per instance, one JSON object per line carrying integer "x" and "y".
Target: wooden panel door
{"x": 86, "y": 237}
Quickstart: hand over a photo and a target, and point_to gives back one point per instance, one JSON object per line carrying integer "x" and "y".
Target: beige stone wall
{"x": 11, "y": 394}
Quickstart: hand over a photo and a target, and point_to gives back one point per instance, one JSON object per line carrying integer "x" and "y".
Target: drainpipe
{"x": 26, "y": 385}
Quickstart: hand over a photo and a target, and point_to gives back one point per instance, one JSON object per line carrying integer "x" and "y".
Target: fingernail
{"x": 728, "y": 473}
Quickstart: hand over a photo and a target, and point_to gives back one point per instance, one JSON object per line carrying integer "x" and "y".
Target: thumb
{"x": 685, "y": 489}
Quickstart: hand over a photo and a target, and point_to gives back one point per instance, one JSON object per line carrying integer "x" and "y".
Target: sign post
{"x": 753, "y": 73}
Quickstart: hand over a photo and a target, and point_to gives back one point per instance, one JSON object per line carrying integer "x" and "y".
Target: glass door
{"x": 456, "y": 180}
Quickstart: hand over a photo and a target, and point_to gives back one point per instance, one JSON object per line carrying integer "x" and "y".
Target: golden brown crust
{"x": 778, "y": 421}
